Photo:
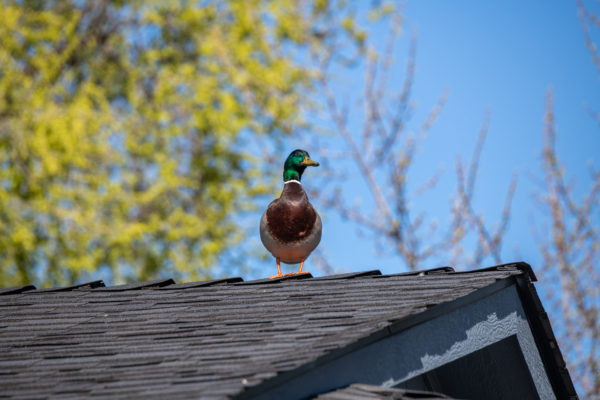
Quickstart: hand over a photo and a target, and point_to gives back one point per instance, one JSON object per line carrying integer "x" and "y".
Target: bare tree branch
{"x": 584, "y": 15}
{"x": 571, "y": 254}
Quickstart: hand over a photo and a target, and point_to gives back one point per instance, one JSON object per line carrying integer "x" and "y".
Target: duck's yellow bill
{"x": 309, "y": 163}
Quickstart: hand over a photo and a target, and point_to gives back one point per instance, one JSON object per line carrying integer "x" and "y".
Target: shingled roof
{"x": 371, "y": 392}
{"x": 223, "y": 338}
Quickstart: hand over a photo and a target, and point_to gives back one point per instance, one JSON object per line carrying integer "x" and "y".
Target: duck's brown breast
{"x": 291, "y": 218}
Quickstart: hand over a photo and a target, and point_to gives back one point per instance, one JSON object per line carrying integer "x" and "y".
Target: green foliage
{"x": 126, "y": 129}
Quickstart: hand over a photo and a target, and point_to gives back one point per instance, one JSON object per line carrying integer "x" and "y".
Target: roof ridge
{"x": 170, "y": 284}
{"x": 423, "y": 272}
{"x": 86, "y": 285}
{"x": 138, "y": 285}
{"x": 512, "y": 266}
{"x": 17, "y": 289}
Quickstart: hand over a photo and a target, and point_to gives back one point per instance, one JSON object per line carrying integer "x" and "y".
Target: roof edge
{"x": 547, "y": 345}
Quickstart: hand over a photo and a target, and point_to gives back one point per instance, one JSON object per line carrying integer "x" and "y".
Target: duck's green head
{"x": 295, "y": 165}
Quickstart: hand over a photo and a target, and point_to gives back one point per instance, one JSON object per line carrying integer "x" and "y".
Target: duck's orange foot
{"x": 281, "y": 275}
{"x": 300, "y": 270}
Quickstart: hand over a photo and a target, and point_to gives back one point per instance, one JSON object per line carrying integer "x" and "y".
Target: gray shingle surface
{"x": 370, "y": 392}
{"x": 207, "y": 341}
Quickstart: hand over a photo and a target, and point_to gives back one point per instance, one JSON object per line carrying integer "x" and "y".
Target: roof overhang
{"x": 420, "y": 343}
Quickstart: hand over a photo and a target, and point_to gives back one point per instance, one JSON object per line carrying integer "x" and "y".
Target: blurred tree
{"x": 129, "y": 130}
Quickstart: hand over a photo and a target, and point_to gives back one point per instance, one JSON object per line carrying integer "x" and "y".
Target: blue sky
{"x": 496, "y": 56}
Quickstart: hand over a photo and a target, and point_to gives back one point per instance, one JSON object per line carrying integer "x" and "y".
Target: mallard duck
{"x": 290, "y": 228}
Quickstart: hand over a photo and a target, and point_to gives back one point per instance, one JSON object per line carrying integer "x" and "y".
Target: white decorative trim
{"x": 293, "y": 180}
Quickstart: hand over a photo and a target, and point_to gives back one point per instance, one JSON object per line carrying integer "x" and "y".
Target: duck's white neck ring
{"x": 292, "y": 180}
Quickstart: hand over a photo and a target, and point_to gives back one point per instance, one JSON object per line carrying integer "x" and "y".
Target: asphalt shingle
{"x": 370, "y": 392}
{"x": 211, "y": 339}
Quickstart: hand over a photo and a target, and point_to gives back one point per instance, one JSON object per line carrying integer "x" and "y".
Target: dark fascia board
{"x": 189, "y": 285}
{"x": 17, "y": 289}
{"x": 393, "y": 328}
{"x": 554, "y": 363}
